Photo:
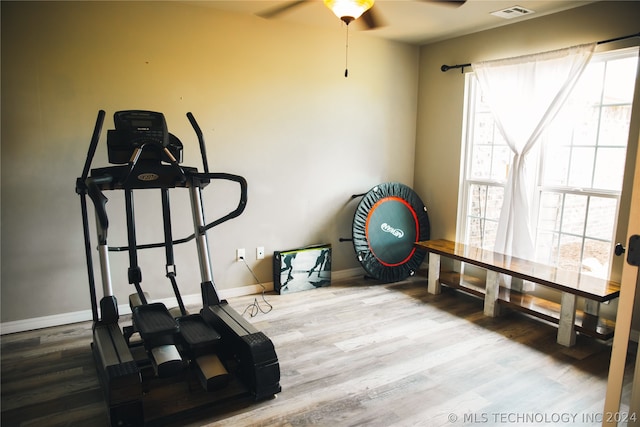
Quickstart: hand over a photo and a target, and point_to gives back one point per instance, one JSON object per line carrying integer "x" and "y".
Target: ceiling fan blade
{"x": 275, "y": 11}
{"x": 451, "y": 3}
{"x": 372, "y": 19}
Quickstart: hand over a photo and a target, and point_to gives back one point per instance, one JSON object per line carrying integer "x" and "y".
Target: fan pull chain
{"x": 346, "y": 54}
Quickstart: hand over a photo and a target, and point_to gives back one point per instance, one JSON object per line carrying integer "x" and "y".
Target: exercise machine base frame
{"x": 240, "y": 364}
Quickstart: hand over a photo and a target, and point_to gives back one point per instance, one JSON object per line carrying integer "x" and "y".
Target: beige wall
{"x": 273, "y": 104}
{"x": 440, "y": 110}
{"x": 274, "y": 107}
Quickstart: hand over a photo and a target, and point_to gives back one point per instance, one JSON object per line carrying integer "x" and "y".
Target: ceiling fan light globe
{"x": 349, "y": 10}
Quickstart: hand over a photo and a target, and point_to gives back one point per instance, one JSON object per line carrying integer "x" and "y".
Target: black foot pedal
{"x": 198, "y": 337}
{"x": 155, "y": 324}
{"x": 211, "y": 372}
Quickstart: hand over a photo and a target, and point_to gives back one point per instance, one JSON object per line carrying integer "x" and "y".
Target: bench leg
{"x": 592, "y": 307}
{"x": 491, "y": 307}
{"x": 519, "y": 285}
{"x": 433, "y": 286}
{"x": 566, "y": 328}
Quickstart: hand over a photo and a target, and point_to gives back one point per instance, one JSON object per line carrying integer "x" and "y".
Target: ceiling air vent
{"x": 512, "y": 12}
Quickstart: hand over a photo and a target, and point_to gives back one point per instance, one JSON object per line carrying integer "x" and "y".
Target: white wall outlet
{"x": 240, "y": 254}
{"x": 260, "y": 252}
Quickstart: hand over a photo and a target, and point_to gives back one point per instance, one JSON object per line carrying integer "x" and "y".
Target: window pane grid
{"x": 575, "y": 230}
{"x": 485, "y": 201}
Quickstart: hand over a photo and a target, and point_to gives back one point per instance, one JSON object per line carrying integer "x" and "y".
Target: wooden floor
{"x": 358, "y": 353}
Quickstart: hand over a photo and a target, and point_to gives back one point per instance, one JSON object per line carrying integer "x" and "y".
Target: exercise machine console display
{"x": 168, "y": 361}
{"x": 135, "y": 129}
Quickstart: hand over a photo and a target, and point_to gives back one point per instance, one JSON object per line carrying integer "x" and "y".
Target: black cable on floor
{"x": 254, "y": 308}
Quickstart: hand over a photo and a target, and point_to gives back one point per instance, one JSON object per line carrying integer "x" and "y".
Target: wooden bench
{"x": 571, "y": 284}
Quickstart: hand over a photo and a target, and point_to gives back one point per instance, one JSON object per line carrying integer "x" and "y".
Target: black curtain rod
{"x": 446, "y": 68}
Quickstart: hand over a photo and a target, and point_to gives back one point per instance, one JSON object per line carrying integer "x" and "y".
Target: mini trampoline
{"x": 387, "y": 222}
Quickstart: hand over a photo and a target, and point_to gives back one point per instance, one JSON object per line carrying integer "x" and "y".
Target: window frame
{"x": 535, "y": 167}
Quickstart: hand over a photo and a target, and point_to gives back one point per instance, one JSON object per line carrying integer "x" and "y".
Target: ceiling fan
{"x": 350, "y": 10}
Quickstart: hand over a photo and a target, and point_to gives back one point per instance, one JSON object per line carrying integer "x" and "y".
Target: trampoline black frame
{"x": 373, "y": 264}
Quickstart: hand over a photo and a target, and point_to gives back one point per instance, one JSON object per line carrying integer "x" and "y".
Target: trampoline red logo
{"x": 393, "y": 231}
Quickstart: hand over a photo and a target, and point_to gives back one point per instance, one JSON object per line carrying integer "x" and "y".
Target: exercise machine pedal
{"x": 197, "y": 337}
{"x": 155, "y": 324}
{"x": 158, "y": 330}
{"x": 201, "y": 341}
{"x": 136, "y": 301}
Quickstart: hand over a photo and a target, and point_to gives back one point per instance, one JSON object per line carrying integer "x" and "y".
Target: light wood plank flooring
{"x": 356, "y": 353}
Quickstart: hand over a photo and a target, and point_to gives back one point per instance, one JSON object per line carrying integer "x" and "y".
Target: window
{"x": 576, "y": 172}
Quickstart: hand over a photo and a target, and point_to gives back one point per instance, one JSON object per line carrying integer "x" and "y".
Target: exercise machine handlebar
{"x": 92, "y": 185}
{"x": 242, "y": 204}
{"x": 100, "y": 203}
{"x": 198, "y": 131}
{"x": 94, "y": 143}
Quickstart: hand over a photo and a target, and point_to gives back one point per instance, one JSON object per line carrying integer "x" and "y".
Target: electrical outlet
{"x": 260, "y": 252}
{"x": 240, "y": 254}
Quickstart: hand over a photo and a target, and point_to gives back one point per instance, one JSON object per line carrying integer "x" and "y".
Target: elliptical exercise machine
{"x": 150, "y": 370}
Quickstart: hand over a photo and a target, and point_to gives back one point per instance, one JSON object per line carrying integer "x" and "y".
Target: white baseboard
{"x": 44, "y": 322}
{"x": 193, "y": 299}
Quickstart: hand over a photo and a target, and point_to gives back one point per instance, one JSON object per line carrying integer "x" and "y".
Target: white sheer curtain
{"x": 524, "y": 94}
